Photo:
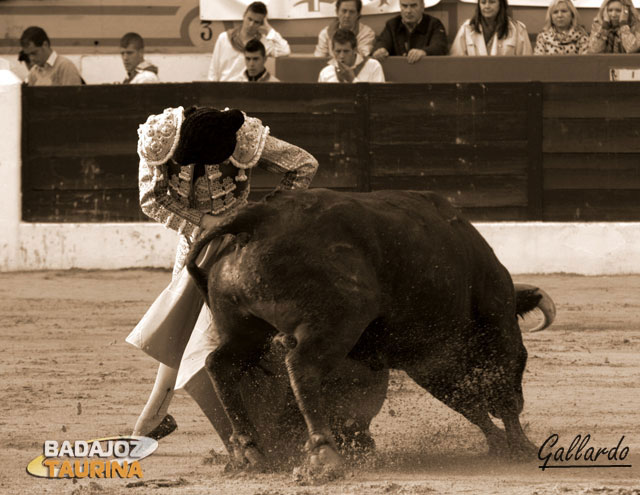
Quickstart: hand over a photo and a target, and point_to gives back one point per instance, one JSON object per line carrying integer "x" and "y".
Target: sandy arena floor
{"x": 68, "y": 374}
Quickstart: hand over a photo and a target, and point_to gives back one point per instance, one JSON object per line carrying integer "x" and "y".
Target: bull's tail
{"x": 245, "y": 222}
{"x": 529, "y": 297}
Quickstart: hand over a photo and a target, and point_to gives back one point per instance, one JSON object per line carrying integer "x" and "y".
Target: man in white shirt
{"x": 348, "y": 65}
{"x": 348, "y": 17}
{"x": 139, "y": 71}
{"x": 255, "y": 57}
{"x": 227, "y": 62}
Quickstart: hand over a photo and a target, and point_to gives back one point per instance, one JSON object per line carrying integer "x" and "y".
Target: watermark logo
{"x": 580, "y": 454}
{"x": 111, "y": 457}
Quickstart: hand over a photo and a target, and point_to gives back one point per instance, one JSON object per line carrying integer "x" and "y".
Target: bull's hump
{"x": 321, "y": 217}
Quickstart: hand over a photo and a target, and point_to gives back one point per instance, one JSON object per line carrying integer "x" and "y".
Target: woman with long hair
{"x": 562, "y": 32}
{"x": 616, "y": 28}
{"x": 491, "y": 31}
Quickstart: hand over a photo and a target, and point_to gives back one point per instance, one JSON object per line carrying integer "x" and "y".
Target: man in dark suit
{"x": 413, "y": 34}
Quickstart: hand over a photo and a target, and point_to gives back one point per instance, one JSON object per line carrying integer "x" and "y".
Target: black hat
{"x": 207, "y": 135}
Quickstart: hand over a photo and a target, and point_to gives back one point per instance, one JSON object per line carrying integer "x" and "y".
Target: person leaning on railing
{"x": 347, "y": 17}
{"x": 491, "y": 31}
{"x": 616, "y": 28}
{"x": 227, "y": 61}
{"x": 562, "y": 32}
{"x": 414, "y": 34}
{"x": 348, "y": 65}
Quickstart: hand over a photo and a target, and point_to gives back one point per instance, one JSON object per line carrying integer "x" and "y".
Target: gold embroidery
{"x": 250, "y": 141}
{"x": 159, "y": 136}
{"x": 213, "y": 171}
{"x": 218, "y": 205}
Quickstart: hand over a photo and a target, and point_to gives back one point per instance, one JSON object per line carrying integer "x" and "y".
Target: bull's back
{"x": 407, "y": 251}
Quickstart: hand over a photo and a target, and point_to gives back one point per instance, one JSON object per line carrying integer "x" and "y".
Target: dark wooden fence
{"x": 500, "y": 151}
{"x": 591, "y": 151}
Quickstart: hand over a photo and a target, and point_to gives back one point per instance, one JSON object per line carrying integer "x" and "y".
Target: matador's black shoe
{"x": 166, "y": 427}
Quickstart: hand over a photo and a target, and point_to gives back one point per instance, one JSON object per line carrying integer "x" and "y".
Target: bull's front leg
{"x": 225, "y": 366}
{"x": 317, "y": 351}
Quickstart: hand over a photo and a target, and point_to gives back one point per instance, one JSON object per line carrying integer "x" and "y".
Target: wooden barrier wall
{"x": 79, "y": 143}
{"x": 591, "y": 151}
{"x": 500, "y": 151}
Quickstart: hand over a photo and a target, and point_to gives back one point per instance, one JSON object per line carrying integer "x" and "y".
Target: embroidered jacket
{"x": 173, "y": 196}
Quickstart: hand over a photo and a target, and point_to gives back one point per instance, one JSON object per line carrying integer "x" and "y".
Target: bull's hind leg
{"x": 470, "y": 405}
{"x": 507, "y": 402}
{"x": 320, "y": 347}
{"x": 503, "y": 391}
{"x": 520, "y": 447}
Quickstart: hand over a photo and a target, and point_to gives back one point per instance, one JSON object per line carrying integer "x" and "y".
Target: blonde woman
{"x": 562, "y": 32}
{"x": 616, "y": 28}
{"x": 491, "y": 31}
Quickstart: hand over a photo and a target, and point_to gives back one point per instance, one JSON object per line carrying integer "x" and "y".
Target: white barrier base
{"x": 523, "y": 247}
{"x": 103, "y": 246}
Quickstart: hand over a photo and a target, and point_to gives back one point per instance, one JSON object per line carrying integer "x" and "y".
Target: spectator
{"x": 348, "y": 12}
{"x": 616, "y": 28}
{"x": 491, "y": 31}
{"x": 413, "y": 34}
{"x": 48, "y": 68}
{"x": 348, "y": 65}
{"x": 255, "y": 56}
{"x": 228, "y": 62}
{"x": 139, "y": 71}
{"x": 562, "y": 33}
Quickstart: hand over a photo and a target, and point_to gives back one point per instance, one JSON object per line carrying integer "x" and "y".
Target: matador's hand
{"x": 208, "y": 223}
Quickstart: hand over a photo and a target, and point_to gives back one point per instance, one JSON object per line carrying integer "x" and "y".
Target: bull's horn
{"x": 546, "y": 305}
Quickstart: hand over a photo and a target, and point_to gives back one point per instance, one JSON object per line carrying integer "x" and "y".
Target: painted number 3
{"x": 206, "y": 34}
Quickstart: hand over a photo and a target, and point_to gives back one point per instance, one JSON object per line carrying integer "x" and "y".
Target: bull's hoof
{"x": 243, "y": 463}
{"x": 498, "y": 445}
{"x": 234, "y": 466}
{"x": 356, "y": 445}
{"x": 324, "y": 465}
{"x": 255, "y": 458}
{"x": 524, "y": 451}
{"x": 246, "y": 455}
{"x": 325, "y": 457}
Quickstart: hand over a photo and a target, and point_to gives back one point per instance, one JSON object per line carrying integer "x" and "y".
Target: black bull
{"x": 390, "y": 279}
